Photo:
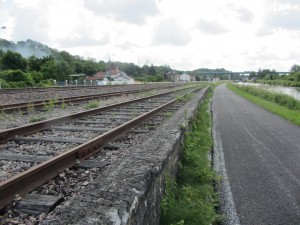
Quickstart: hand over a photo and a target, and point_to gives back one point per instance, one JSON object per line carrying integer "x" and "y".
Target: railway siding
{"x": 130, "y": 192}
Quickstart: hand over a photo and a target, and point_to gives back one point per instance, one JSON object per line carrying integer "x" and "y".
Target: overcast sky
{"x": 237, "y": 35}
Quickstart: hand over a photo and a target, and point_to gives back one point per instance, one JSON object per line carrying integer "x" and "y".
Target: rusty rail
{"x": 40, "y": 104}
{"x": 30, "y": 179}
{"x": 43, "y": 125}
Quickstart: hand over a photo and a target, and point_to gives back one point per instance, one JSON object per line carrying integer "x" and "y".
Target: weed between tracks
{"x": 92, "y": 105}
{"x": 36, "y": 118}
{"x": 50, "y": 104}
{"x": 192, "y": 199}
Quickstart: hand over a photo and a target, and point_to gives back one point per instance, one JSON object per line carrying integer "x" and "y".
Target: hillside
{"x": 27, "y": 48}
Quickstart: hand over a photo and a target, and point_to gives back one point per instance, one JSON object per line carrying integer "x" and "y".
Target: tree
{"x": 14, "y": 61}
{"x": 36, "y": 76}
{"x": 152, "y": 70}
{"x": 1, "y": 53}
{"x": 90, "y": 67}
{"x": 252, "y": 75}
{"x": 295, "y": 68}
{"x": 34, "y": 63}
{"x": 63, "y": 70}
{"x": 267, "y": 74}
{"x": 145, "y": 69}
{"x": 48, "y": 70}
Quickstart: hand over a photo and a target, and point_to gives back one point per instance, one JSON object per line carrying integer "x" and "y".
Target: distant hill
{"x": 203, "y": 70}
{"x": 33, "y": 48}
{"x": 27, "y": 48}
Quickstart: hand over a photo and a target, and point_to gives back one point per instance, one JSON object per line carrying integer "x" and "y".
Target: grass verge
{"x": 192, "y": 199}
{"x": 269, "y": 103}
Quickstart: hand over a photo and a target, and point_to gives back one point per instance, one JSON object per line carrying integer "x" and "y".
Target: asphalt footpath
{"x": 258, "y": 155}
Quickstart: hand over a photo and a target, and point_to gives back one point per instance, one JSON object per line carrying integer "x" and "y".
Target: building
{"x": 112, "y": 76}
{"x": 99, "y": 78}
{"x": 186, "y": 77}
{"x": 173, "y": 76}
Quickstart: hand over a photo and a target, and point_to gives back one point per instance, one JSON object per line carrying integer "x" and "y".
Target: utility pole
{"x": 109, "y": 71}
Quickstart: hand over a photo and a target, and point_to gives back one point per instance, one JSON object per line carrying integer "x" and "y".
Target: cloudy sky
{"x": 237, "y": 35}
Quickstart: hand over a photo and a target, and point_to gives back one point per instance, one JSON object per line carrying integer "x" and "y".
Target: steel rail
{"x": 43, "y": 125}
{"x": 62, "y": 88}
{"x": 34, "y": 177}
{"x": 41, "y": 103}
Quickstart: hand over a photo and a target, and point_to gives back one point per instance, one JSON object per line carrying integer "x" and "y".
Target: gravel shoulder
{"x": 262, "y": 160}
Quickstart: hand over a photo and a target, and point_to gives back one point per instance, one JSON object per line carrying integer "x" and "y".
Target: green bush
{"x": 37, "y": 77}
{"x": 46, "y": 83}
{"x": 20, "y": 84}
{"x": 4, "y": 84}
{"x": 15, "y": 76}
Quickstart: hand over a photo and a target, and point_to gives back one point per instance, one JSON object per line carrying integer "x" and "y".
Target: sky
{"x": 238, "y": 35}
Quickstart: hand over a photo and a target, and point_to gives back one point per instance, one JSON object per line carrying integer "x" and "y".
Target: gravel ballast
{"x": 120, "y": 195}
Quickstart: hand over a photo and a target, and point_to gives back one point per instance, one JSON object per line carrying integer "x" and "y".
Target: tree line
{"x": 27, "y": 69}
{"x": 268, "y": 76}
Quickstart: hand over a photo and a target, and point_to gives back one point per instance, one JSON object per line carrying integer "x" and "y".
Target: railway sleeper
{"x": 35, "y": 204}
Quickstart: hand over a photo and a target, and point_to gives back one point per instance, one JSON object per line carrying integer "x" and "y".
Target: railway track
{"x": 108, "y": 93}
{"x": 40, "y": 104}
{"x": 52, "y": 89}
{"x": 49, "y": 147}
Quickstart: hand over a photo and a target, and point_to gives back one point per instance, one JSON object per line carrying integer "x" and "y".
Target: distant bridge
{"x": 231, "y": 73}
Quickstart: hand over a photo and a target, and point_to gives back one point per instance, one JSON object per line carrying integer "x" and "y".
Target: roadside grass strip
{"x": 191, "y": 199}
{"x": 280, "y": 104}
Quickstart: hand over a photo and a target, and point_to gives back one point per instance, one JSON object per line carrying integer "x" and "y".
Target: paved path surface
{"x": 262, "y": 160}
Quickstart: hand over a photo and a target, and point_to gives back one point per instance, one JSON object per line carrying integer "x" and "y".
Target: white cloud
{"x": 169, "y": 32}
{"x": 185, "y": 34}
{"x": 287, "y": 19}
{"x": 131, "y": 11}
{"x": 30, "y": 23}
{"x": 211, "y": 27}
{"x": 245, "y": 15}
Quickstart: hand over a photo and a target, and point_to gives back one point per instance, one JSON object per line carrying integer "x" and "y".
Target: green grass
{"x": 92, "y": 105}
{"x": 50, "y": 104}
{"x": 169, "y": 114}
{"x": 191, "y": 199}
{"x": 35, "y": 119}
{"x": 275, "y": 103}
{"x": 30, "y": 107}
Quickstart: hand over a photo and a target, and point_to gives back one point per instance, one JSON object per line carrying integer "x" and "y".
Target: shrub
{"x": 4, "y": 84}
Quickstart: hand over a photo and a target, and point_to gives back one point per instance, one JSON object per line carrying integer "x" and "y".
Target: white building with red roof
{"x": 111, "y": 76}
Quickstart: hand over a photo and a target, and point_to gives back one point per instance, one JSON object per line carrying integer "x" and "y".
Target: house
{"x": 186, "y": 77}
{"x": 122, "y": 78}
{"x": 111, "y": 76}
{"x": 172, "y": 76}
{"x": 99, "y": 78}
